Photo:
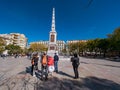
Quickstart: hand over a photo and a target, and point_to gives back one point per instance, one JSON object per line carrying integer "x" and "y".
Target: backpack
{"x": 44, "y": 60}
{"x": 75, "y": 61}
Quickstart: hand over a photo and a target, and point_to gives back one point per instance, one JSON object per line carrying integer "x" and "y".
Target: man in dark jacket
{"x": 75, "y": 63}
{"x": 34, "y": 63}
{"x": 56, "y": 59}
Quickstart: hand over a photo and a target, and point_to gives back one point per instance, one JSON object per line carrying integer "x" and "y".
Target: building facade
{"x": 74, "y": 41}
{"x": 60, "y": 44}
{"x": 19, "y": 39}
{"x": 7, "y": 38}
{"x": 16, "y": 39}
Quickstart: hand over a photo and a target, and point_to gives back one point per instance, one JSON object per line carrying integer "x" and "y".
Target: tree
{"x": 114, "y": 39}
{"x": 13, "y": 49}
{"x": 2, "y": 45}
{"x": 104, "y": 46}
{"x": 81, "y": 47}
{"x": 72, "y": 47}
{"x": 38, "y": 47}
{"x": 90, "y": 46}
{"x": 64, "y": 51}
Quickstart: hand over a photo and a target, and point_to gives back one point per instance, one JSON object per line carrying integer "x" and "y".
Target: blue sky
{"x": 75, "y": 19}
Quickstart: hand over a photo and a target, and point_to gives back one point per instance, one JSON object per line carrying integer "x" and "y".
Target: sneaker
{"x": 33, "y": 75}
{"x": 75, "y": 77}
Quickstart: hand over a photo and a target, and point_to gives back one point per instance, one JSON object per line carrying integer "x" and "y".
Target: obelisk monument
{"x": 52, "y": 46}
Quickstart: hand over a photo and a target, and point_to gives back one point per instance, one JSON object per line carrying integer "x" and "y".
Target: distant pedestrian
{"x": 56, "y": 59}
{"x": 75, "y": 63}
{"x": 3, "y": 56}
{"x": 16, "y": 55}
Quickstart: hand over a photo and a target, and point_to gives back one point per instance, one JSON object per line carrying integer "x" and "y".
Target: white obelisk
{"x": 52, "y": 47}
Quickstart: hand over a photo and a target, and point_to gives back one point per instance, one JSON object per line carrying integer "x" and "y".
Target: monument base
{"x": 52, "y": 53}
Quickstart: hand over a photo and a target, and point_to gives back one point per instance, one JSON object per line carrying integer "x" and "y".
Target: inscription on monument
{"x": 52, "y": 38}
{"x": 52, "y": 48}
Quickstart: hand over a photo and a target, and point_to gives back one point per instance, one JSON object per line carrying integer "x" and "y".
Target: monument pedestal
{"x": 52, "y": 53}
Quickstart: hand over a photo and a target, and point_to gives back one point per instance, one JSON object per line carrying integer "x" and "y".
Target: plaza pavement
{"x": 95, "y": 74}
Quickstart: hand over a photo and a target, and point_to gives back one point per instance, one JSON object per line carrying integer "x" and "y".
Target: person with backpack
{"x": 44, "y": 66}
{"x": 75, "y": 64}
{"x": 56, "y": 59}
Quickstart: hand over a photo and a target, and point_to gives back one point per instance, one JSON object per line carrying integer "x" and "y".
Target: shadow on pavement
{"x": 28, "y": 69}
{"x": 65, "y": 74}
{"x": 113, "y": 59}
{"x": 54, "y": 83}
{"x": 101, "y": 64}
{"x": 95, "y": 83}
{"x": 38, "y": 74}
{"x": 88, "y": 83}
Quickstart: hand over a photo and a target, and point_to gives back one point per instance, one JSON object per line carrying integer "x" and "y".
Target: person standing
{"x": 56, "y": 59}
{"x": 75, "y": 64}
{"x": 34, "y": 63}
{"x": 44, "y": 67}
{"x": 44, "y": 61}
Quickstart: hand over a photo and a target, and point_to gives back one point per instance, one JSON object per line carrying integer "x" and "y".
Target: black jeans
{"x": 34, "y": 67}
{"x": 75, "y": 68}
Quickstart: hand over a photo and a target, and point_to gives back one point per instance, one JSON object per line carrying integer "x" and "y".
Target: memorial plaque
{"x": 52, "y": 48}
{"x": 52, "y": 38}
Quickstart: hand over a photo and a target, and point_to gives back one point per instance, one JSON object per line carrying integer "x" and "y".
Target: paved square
{"x": 95, "y": 74}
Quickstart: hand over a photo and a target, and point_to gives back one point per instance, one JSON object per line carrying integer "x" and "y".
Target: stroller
{"x": 47, "y": 69}
{"x": 50, "y": 65}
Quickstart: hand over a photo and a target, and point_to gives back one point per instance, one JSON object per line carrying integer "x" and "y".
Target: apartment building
{"x": 19, "y": 39}
{"x": 7, "y": 38}
{"x": 16, "y": 39}
{"x": 60, "y": 45}
{"x": 75, "y": 41}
